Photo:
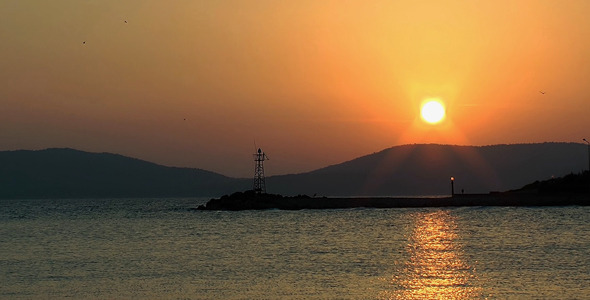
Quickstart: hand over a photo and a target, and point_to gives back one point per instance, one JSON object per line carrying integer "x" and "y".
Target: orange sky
{"x": 194, "y": 83}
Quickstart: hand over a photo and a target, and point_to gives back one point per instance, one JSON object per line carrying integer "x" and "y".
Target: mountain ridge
{"x": 404, "y": 170}
{"x": 425, "y": 169}
{"x": 71, "y": 173}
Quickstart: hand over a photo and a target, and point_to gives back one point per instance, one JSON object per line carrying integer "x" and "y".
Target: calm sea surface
{"x": 160, "y": 249}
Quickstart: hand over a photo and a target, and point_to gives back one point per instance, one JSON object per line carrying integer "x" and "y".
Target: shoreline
{"x": 250, "y": 201}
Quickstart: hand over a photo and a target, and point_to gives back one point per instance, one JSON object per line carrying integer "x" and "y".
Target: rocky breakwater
{"x": 250, "y": 200}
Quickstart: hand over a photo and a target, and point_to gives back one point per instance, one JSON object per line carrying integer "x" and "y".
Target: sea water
{"x": 162, "y": 249}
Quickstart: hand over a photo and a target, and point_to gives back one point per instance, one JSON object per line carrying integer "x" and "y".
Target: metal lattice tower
{"x": 259, "y": 184}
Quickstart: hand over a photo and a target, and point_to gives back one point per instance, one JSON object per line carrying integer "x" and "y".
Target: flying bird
{"x": 125, "y": 21}
{"x": 542, "y": 92}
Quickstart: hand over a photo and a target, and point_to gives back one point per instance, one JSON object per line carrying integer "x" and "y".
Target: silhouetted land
{"x": 417, "y": 170}
{"x": 568, "y": 184}
{"x": 569, "y": 190}
{"x": 400, "y": 170}
{"x": 69, "y": 173}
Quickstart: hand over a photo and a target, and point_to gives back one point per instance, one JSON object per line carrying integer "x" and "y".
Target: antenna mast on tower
{"x": 259, "y": 184}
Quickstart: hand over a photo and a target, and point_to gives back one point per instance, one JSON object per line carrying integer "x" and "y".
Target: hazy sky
{"x": 194, "y": 83}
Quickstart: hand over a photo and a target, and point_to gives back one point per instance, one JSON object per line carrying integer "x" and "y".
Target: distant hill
{"x": 426, "y": 170}
{"x": 401, "y": 170}
{"x": 568, "y": 184}
{"x": 68, "y": 173}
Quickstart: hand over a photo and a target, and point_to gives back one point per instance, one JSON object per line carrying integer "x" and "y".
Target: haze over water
{"x": 158, "y": 248}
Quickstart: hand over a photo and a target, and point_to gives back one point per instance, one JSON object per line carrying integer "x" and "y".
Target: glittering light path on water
{"x": 435, "y": 268}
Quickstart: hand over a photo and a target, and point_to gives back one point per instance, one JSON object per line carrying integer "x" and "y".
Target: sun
{"x": 432, "y": 111}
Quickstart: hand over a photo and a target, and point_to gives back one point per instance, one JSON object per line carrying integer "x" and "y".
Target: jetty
{"x": 251, "y": 200}
{"x": 572, "y": 189}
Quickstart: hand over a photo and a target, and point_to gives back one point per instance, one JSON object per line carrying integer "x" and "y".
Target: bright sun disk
{"x": 432, "y": 112}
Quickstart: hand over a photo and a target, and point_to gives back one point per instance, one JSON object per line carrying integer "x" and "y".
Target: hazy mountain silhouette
{"x": 400, "y": 170}
{"x": 69, "y": 173}
{"x": 426, "y": 170}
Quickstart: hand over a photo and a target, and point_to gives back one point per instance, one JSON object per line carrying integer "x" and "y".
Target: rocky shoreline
{"x": 251, "y": 201}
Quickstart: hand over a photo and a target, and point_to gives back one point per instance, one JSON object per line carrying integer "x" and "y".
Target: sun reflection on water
{"x": 435, "y": 268}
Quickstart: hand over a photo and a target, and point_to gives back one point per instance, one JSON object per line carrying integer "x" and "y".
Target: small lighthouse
{"x": 259, "y": 184}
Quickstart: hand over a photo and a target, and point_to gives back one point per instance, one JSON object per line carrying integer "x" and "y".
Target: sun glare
{"x": 433, "y": 111}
